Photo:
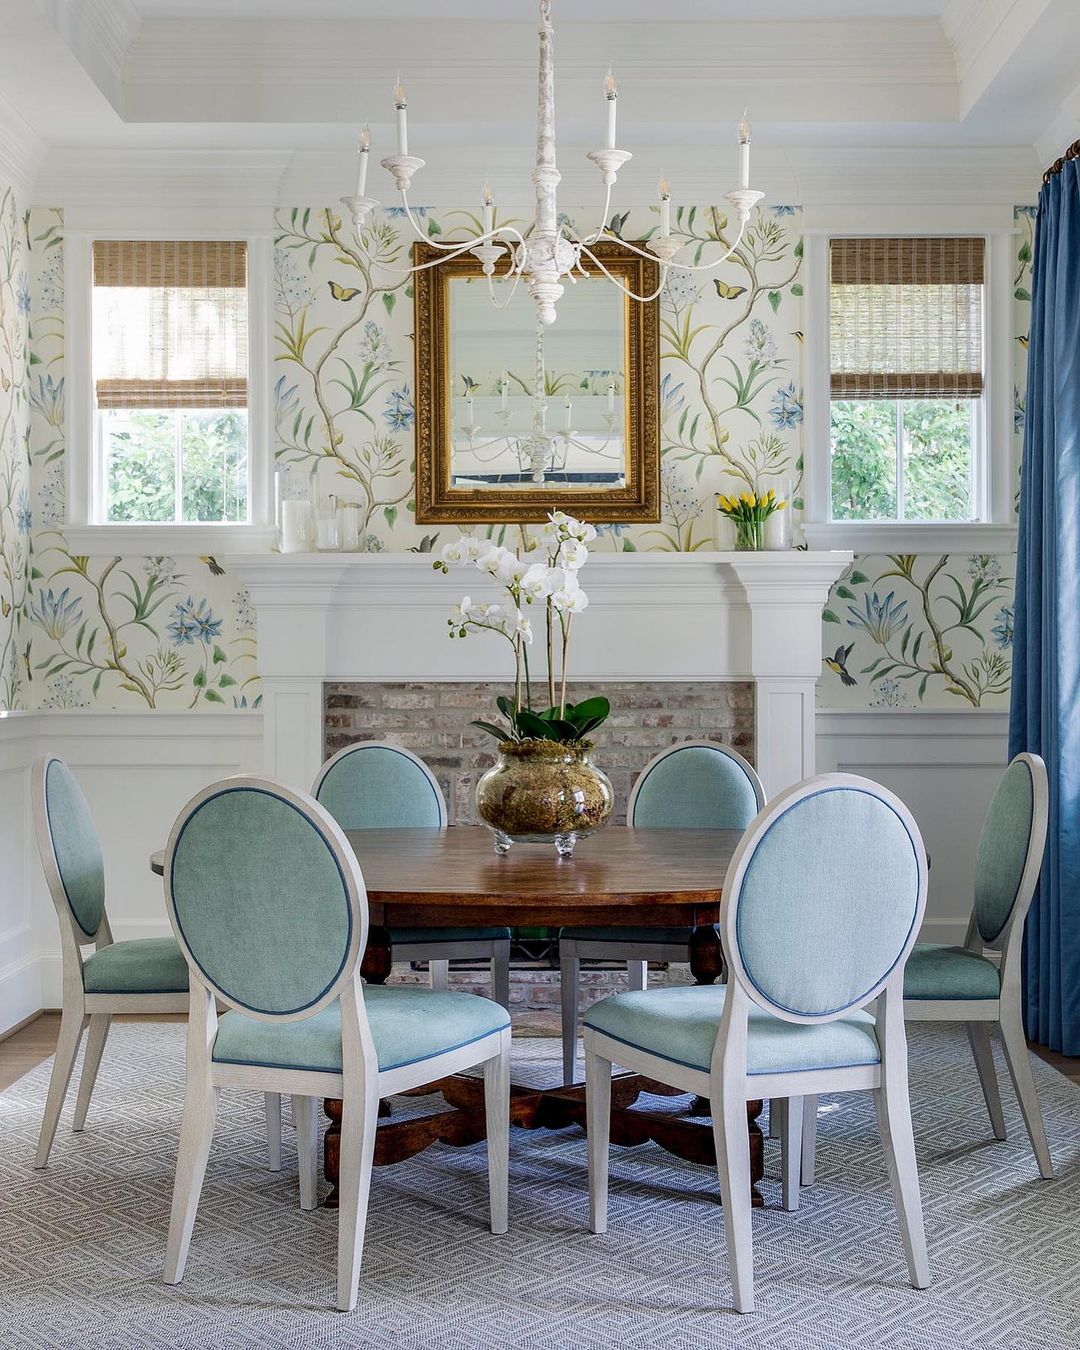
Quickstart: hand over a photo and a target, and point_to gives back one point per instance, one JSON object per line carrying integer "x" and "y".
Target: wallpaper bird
{"x": 837, "y": 663}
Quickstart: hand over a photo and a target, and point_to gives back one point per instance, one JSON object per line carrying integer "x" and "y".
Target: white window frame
{"x": 87, "y": 530}
{"x": 995, "y": 466}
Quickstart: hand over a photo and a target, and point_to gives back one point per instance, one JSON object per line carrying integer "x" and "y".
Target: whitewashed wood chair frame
{"x": 728, "y": 1086}
{"x": 636, "y": 953}
{"x": 359, "y": 1086}
{"x": 982, "y": 1015}
{"x": 78, "y": 1006}
{"x": 438, "y": 955}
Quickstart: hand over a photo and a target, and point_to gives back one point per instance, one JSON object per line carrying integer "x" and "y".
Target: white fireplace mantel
{"x": 662, "y": 616}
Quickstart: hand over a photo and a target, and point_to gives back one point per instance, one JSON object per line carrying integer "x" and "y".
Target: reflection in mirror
{"x": 533, "y": 407}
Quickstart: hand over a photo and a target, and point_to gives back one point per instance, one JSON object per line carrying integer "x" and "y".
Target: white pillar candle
{"x": 489, "y": 209}
{"x": 744, "y": 152}
{"x": 295, "y": 526}
{"x": 611, "y": 97}
{"x": 363, "y": 154}
{"x": 400, "y": 105}
{"x": 665, "y": 209}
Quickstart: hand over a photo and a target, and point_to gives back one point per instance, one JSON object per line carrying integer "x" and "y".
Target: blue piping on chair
{"x": 321, "y": 1068}
{"x": 270, "y": 1012}
{"x": 755, "y": 1073}
{"x": 861, "y": 999}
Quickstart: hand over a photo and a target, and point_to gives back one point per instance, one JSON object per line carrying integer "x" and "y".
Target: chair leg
{"x": 1018, "y": 1059}
{"x": 638, "y": 972}
{"x": 500, "y": 972}
{"x": 95, "y": 1046}
{"x": 307, "y": 1135}
{"x": 67, "y": 1047}
{"x": 272, "y": 1102}
{"x": 359, "y": 1121}
{"x": 790, "y": 1117}
{"x": 893, "y": 1109}
{"x": 569, "y": 969}
{"x": 983, "y": 1054}
{"x": 598, "y": 1131}
{"x": 809, "y": 1140}
{"x": 775, "y": 1113}
{"x": 439, "y": 974}
{"x": 733, "y": 1172}
{"x": 196, "y": 1133}
{"x": 497, "y": 1115}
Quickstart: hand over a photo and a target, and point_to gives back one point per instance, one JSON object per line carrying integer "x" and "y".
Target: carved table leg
{"x": 378, "y": 961}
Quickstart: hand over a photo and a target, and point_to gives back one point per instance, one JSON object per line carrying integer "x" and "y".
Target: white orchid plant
{"x": 543, "y": 572}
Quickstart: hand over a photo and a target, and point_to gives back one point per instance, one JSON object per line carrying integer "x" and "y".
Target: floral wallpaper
{"x": 133, "y": 633}
{"x": 179, "y": 632}
{"x": 932, "y": 631}
{"x": 16, "y": 514}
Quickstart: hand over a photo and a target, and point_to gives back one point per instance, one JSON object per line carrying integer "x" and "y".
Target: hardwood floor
{"x": 28, "y": 1046}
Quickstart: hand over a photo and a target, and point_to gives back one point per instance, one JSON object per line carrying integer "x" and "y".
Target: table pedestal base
{"x": 555, "y": 1108}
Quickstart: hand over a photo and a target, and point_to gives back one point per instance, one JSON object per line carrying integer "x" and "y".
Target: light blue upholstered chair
{"x": 147, "y": 975}
{"x": 821, "y": 905}
{"x": 961, "y": 984}
{"x": 375, "y": 785}
{"x": 268, "y": 905}
{"x": 694, "y": 785}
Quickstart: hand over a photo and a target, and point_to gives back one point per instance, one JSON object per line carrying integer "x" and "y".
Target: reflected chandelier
{"x": 547, "y": 251}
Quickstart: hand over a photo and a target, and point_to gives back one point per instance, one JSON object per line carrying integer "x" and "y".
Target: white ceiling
{"x": 935, "y": 83}
{"x": 580, "y": 11}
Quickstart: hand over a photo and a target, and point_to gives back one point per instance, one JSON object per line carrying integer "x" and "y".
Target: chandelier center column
{"x": 546, "y": 255}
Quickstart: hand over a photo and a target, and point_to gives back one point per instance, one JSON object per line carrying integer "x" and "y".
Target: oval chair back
{"x": 69, "y": 847}
{"x": 696, "y": 785}
{"x": 823, "y": 898}
{"x": 375, "y": 785}
{"x": 266, "y": 898}
{"x": 1010, "y": 850}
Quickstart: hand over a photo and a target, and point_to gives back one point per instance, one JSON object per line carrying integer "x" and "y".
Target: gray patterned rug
{"x": 82, "y": 1245}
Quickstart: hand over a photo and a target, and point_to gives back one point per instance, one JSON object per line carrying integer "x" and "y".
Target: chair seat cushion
{"x": 141, "y": 966}
{"x": 408, "y": 1024}
{"x": 939, "y": 972}
{"x": 667, "y": 937}
{"x": 680, "y": 1025}
{"x": 415, "y": 937}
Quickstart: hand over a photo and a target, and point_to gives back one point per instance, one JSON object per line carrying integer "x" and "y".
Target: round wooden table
{"x": 453, "y": 878}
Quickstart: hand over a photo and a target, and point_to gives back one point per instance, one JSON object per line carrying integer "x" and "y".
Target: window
{"x": 170, "y": 377}
{"x": 906, "y": 322}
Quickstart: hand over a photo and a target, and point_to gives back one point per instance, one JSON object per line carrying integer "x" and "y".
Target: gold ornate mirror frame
{"x": 439, "y": 503}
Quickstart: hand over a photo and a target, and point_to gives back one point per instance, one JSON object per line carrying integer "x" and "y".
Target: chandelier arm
{"x": 594, "y": 238}
{"x": 682, "y": 267}
{"x": 474, "y": 242}
{"x": 501, "y": 305}
{"x": 641, "y": 299}
{"x": 453, "y": 251}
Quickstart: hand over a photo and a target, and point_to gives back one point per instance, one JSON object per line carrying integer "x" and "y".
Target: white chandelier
{"x": 547, "y": 251}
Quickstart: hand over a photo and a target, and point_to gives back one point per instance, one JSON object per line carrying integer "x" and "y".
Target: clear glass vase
{"x": 544, "y": 792}
{"x": 749, "y": 536}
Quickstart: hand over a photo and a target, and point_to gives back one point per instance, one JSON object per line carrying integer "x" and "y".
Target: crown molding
{"x": 985, "y": 36}
{"x": 161, "y": 178}
{"x": 21, "y": 152}
{"x": 101, "y": 35}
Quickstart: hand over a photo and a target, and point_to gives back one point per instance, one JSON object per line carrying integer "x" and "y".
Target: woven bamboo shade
{"x": 906, "y": 318}
{"x": 170, "y": 323}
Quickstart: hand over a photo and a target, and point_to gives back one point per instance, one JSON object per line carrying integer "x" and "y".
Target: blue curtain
{"x": 1045, "y": 714}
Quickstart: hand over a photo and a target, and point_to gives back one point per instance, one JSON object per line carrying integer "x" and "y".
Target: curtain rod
{"x": 1073, "y": 152}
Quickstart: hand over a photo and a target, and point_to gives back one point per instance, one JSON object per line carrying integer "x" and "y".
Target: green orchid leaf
{"x": 491, "y": 729}
{"x": 530, "y": 725}
{"x": 592, "y": 707}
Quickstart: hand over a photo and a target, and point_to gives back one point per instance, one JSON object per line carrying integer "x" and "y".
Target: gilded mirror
{"x": 514, "y": 420}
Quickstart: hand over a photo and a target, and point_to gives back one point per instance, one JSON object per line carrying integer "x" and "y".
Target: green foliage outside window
{"x": 937, "y": 461}
{"x": 141, "y": 449}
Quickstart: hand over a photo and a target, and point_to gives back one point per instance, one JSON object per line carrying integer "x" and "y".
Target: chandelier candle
{"x": 489, "y": 209}
{"x": 363, "y": 154}
{"x": 400, "y": 105}
{"x": 744, "y": 153}
{"x": 611, "y": 96}
{"x": 665, "y": 209}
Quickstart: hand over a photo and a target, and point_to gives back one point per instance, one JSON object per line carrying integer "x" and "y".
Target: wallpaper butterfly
{"x": 343, "y": 292}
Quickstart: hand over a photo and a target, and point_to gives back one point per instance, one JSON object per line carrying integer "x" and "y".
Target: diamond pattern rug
{"x": 83, "y": 1242}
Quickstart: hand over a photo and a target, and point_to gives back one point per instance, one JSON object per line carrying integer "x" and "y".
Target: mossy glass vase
{"x": 543, "y": 792}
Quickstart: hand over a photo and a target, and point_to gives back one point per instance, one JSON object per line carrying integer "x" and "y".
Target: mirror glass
{"x": 538, "y": 409}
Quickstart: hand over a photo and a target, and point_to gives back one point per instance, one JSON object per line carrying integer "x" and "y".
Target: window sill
{"x": 97, "y": 541}
{"x": 887, "y": 537}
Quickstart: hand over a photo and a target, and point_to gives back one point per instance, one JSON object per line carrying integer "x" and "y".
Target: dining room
{"x": 537, "y": 663}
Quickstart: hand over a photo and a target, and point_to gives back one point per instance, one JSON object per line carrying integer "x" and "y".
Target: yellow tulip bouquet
{"x": 750, "y": 511}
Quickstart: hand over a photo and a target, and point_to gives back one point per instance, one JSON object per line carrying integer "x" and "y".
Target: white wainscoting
{"x": 137, "y": 770}
{"x": 945, "y": 766}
